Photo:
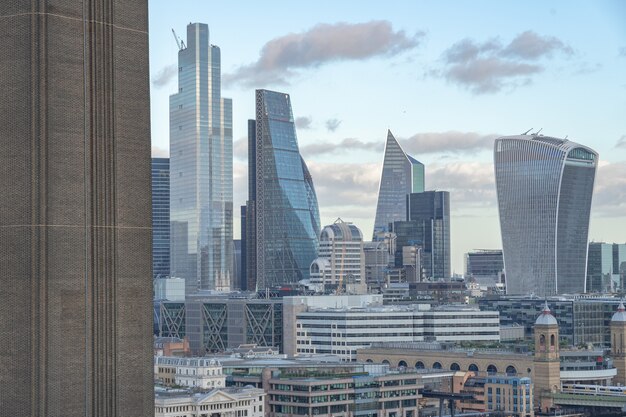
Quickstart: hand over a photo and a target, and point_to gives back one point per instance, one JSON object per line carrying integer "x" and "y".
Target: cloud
{"x": 281, "y": 57}
{"x": 164, "y": 76}
{"x": 240, "y": 148}
{"x": 489, "y": 67}
{"x": 332, "y": 124}
{"x": 345, "y": 145}
{"x": 609, "y": 196}
{"x": 529, "y": 45}
{"x": 451, "y": 142}
{"x": 621, "y": 143}
{"x": 158, "y": 152}
{"x": 448, "y": 142}
{"x": 343, "y": 184}
{"x": 303, "y": 122}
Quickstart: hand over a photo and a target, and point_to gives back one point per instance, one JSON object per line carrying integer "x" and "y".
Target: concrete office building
{"x": 201, "y": 168}
{"x": 75, "y": 241}
{"x": 342, "y": 331}
{"x": 227, "y": 402}
{"x": 160, "y": 217}
{"x": 544, "y": 188}
{"x": 484, "y": 266}
{"x": 339, "y": 265}
{"x": 376, "y": 258}
{"x": 401, "y": 175}
{"x": 282, "y": 219}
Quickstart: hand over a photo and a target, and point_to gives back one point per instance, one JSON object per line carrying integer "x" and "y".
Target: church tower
{"x": 547, "y": 377}
{"x": 618, "y": 340}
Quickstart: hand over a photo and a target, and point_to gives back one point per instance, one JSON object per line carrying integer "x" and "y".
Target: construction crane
{"x": 179, "y": 41}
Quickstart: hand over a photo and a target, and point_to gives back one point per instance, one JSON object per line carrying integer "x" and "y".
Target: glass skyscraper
{"x": 160, "y": 217}
{"x": 282, "y": 215}
{"x": 201, "y": 168}
{"x": 431, "y": 211}
{"x": 401, "y": 175}
{"x": 544, "y": 187}
{"x": 606, "y": 267}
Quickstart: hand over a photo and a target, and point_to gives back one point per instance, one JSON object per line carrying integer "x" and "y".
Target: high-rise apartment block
{"x": 430, "y": 212}
{"x": 75, "y": 241}
{"x": 201, "y": 168}
{"x": 544, "y": 187}
{"x": 160, "y": 217}
{"x": 606, "y": 267}
{"x": 282, "y": 214}
{"x": 340, "y": 262}
{"x": 401, "y": 175}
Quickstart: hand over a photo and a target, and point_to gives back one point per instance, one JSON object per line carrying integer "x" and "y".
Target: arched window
{"x": 552, "y": 342}
{"x": 402, "y": 364}
{"x": 455, "y": 367}
{"x": 542, "y": 342}
{"x": 369, "y": 361}
{"x": 385, "y": 362}
{"x": 437, "y": 365}
{"x": 510, "y": 370}
{"x": 492, "y": 369}
{"x": 419, "y": 365}
{"x": 473, "y": 367}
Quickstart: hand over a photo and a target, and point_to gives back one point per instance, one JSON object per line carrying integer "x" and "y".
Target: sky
{"x": 445, "y": 77}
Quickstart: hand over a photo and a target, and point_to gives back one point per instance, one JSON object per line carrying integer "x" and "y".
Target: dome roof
{"x": 620, "y": 314}
{"x": 546, "y": 318}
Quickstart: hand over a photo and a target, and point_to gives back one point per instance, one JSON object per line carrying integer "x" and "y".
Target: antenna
{"x": 179, "y": 41}
{"x": 525, "y": 133}
{"x": 537, "y": 132}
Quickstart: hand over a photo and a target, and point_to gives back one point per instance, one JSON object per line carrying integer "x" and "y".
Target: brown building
{"x": 75, "y": 212}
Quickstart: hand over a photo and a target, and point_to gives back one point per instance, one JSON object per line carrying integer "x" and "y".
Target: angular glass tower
{"x": 401, "y": 175}
{"x": 160, "y": 217}
{"x": 282, "y": 215}
{"x": 201, "y": 168}
{"x": 544, "y": 190}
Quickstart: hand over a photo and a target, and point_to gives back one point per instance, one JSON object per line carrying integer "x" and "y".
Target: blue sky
{"x": 445, "y": 77}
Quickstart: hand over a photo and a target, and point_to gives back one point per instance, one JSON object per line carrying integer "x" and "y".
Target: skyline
{"x": 447, "y": 123}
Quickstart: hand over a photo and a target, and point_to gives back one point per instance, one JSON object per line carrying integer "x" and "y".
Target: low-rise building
{"x": 345, "y": 330}
{"x": 374, "y": 392}
{"x": 222, "y": 402}
{"x": 199, "y": 373}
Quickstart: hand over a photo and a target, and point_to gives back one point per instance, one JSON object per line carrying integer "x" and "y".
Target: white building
{"x": 341, "y": 331}
{"x": 171, "y": 289}
{"x": 201, "y": 373}
{"x": 222, "y": 402}
{"x": 340, "y": 263}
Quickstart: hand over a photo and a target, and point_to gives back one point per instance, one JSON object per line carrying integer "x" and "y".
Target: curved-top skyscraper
{"x": 544, "y": 187}
{"x": 283, "y": 223}
{"x": 401, "y": 175}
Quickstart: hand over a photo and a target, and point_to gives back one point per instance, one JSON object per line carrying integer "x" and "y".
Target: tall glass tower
{"x": 201, "y": 168}
{"x": 160, "y": 217}
{"x": 544, "y": 189}
{"x": 283, "y": 220}
{"x": 401, "y": 175}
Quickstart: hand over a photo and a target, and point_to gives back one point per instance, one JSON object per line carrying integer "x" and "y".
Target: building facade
{"x": 160, "y": 217}
{"x": 544, "y": 188}
{"x": 282, "y": 215}
{"x": 222, "y": 402}
{"x": 484, "y": 266}
{"x": 606, "y": 267}
{"x": 201, "y": 168}
{"x": 343, "y": 331}
{"x": 75, "y": 241}
{"x": 401, "y": 175}
{"x": 430, "y": 210}
{"x": 197, "y": 373}
{"x": 376, "y": 258}
{"x": 369, "y": 394}
{"x": 341, "y": 245}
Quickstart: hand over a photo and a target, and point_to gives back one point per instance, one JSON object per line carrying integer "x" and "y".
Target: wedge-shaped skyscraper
{"x": 544, "y": 190}
{"x": 283, "y": 222}
{"x": 401, "y": 175}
